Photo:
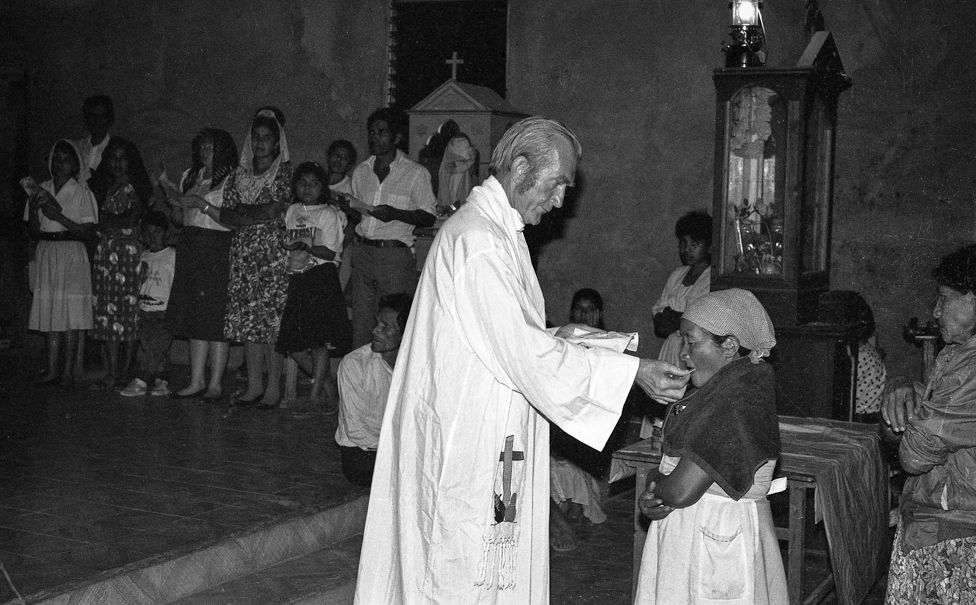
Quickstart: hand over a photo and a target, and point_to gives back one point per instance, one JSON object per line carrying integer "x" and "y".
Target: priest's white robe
{"x": 476, "y": 366}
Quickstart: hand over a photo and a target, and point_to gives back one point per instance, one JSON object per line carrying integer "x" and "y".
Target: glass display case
{"x": 774, "y": 155}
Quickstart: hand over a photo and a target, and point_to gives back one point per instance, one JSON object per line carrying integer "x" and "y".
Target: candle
{"x": 738, "y": 236}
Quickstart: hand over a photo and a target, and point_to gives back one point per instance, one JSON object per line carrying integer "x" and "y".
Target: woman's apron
{"x": 717, "y": 550}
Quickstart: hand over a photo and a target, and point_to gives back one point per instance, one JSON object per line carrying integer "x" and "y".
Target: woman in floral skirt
{"x": 122, "y": 190}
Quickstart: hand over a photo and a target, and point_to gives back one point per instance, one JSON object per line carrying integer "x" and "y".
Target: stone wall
{"x": 635, "y": 83}
{"x": 632, "y": 77}
{"x": 174, "y": 67}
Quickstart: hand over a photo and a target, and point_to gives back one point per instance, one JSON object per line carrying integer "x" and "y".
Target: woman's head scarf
{"x": 738, "y": 313}
{"x": 247, "y": 155}
{"x": 74, "y": 148}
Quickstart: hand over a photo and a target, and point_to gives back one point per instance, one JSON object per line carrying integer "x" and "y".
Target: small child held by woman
{"x": 315, "y": 317}
{"x": 711, "y": 536}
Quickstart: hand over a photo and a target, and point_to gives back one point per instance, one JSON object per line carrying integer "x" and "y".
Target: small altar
{"x": 456, "y": 109}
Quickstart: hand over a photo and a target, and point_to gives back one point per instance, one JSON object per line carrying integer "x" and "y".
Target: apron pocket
{"x": 722, "y": 563}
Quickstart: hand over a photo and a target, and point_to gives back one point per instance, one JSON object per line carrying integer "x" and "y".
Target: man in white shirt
{"x": 399, "y": 197}
{"x": 99, "y": 114}
{"x": 459, "y": 505}
{"x": 364, "y": 383}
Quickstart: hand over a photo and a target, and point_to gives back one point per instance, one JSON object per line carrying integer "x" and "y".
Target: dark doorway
{"x": 427, "y": 32}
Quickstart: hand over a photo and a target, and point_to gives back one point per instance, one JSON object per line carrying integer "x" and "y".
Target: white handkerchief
{"x": 615, "y": 341}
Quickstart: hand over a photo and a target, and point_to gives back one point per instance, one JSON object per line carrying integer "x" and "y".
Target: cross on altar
{"x": 454, "y": 62}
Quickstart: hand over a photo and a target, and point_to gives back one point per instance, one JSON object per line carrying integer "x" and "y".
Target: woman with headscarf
{"x": 256, "y": 196}
{"x": 711, "y": 536}
{"x": 933, "y": 559}
{"x": 122, "y": 188}
{"x": 61, "y": 214}
{"x": 198, "y": 300}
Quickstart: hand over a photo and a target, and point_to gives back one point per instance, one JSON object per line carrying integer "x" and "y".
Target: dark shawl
{"x": 729, "y": 427}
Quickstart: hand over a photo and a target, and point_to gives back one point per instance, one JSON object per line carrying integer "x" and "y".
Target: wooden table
{"x": 642, "y": 457}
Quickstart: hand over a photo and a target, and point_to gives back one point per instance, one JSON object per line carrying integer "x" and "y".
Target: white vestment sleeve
{"x": 581, "y": 390}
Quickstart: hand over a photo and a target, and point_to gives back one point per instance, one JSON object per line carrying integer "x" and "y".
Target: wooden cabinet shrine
{"x": 774, "y": 161}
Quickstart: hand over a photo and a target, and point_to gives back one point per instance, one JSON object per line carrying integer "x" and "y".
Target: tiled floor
{"x": 91, "y": 482}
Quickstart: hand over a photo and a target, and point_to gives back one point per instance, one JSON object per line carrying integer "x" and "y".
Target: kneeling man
{"x": 364, "y": 383}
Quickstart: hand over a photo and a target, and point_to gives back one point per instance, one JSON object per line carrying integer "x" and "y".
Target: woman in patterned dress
{"x": 122, "y": 190}
{"x": 256, "y": 196}
{"x": 933, "y": 559}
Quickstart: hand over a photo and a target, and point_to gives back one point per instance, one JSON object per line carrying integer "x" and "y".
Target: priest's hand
{"x": 651, "y": 506}
{"x": 898, "y": 404}
{"x": 662, "y": 381}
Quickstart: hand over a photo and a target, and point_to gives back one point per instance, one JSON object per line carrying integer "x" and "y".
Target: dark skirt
{"x": 315, "y": 313}
{"x": 198, "y": 298}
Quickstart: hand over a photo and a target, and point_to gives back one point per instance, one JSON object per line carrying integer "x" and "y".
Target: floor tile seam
{"x": 168, "y": 480}
{"x": 152, "y": 493}
{"x": 43, "y": 478}
{"x": 130, "y": 490}
{"x": 25, "y": 555}
{"x": 41, "y": 534}
{"x": 213, "y": 471}
{"x": 26, "y": 511}
{"x": 47, "y": 512}
{"x": 209, "y": 486}
{"x": 118, "y": 507}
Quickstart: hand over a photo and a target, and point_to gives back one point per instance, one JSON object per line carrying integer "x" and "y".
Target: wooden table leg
{"x": 798, "y": 518}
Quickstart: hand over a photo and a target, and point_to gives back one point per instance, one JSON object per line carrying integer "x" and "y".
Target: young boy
{"x": 158, "y": 262}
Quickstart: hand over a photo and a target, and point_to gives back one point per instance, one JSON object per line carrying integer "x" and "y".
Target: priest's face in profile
{"x": 539, "y": 189}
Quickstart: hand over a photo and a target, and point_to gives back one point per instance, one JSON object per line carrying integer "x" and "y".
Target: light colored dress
{"x": 61, "y": 281}
{"x": 722, "y": 548}
{"x": 716, "y": 550}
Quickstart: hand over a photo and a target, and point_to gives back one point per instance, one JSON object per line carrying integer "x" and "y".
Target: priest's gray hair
{"x": 532, "y": 138}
